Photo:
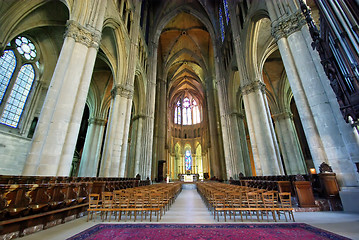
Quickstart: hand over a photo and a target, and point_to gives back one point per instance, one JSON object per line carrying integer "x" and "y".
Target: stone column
{"x": 147, "y": 137}
{"x": 55, "y": 138}
{"x": 289, "y": 143}
{"x": 264, "y": 144}
{"x": 330, "y": 138}
{"x": 111, "y": 162}
{"x": 216, "y": 169}
{"x": 243, "y": 139}
{"x": 138, "y": 146}
{"x": 124, "y": 147}
{"x": 92, "y": 148}
{"x": 162, "y": 126}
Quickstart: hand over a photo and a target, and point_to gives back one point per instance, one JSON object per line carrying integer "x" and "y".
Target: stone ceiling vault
{"x": 184, "y": 47}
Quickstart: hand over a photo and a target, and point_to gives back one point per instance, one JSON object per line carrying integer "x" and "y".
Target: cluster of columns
{"x": 289, "y": 143}
{"x": 55, "y": 138}
{"x": 264, "y": 144}
{"x": 59, "y": 123}
{"x": 330, "y": 139}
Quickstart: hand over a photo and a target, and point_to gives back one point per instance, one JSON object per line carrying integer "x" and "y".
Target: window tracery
{"x": 187, "y": 112}
{"x": 16, "y": 82}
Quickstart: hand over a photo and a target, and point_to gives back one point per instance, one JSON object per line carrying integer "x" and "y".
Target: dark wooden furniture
{"x": 304, "y": 194}
{"x": 29, "y": 201}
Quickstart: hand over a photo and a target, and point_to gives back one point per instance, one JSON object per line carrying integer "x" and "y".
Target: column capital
{"x": 123, "y": 90}
{"x": 287, "y": 25}
{"x": 97, "y": 121}
{"x": 86, "y": 36}
{"x": 282, "y": 115}
{"x": 252, "y": 87}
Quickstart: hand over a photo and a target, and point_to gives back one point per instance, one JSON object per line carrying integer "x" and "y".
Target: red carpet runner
{"x": 205, "y": 232}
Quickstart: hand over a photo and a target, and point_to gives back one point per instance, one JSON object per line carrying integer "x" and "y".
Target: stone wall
{"x": 13, "y": 151}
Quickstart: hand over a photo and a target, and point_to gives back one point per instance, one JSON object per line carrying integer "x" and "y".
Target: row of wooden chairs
{"x": 145, "y": 201}
{"x": 19, "y": 200}
{"x": 231, "y": 199}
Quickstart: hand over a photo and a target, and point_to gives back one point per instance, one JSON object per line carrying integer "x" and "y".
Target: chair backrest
{"x": 285, "y": 199}
{"x": 107, "y": 199}
{"x": 252, "y": 199}
{"x": 268, "y": 199}
{"x": 116, "y": 197}
{"x": 94, "y": 199}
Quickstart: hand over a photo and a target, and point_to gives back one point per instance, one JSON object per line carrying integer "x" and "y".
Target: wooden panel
{"x": 304, "y": 193}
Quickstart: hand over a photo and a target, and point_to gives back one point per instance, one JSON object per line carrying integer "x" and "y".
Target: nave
{"x": 190, "y": 208}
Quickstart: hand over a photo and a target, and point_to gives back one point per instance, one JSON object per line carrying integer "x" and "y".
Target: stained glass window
{"x": 26, "y": 48}
{"x": 188, "y": 160}
{"x": 187, "y": 113}
{"x": 17, "y": 99}
{"x": 226, "y": 12}
{"x": 187, "y": 116}
{"x": 221, "y": 23}
{"x": 20, "y": 79}
{"x": 196, "y": 115}
{"x": 7, "y": 67}
{"x": 177, "y": 119}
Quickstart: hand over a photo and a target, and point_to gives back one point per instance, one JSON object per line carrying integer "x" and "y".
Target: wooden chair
{"x": 139, "y": 204}
{"x": 286, "y": 205}
{"x": 253, "y": 203}
{"x": 220, "y": 203}
{"x": 116, "y": 201}
{"x": 269, "y": 204}
{"x": 107, "y": 204}
{"x": 156, "y": 205}
{"x": 94, "y": 206}
{"x": 236, "y": 203}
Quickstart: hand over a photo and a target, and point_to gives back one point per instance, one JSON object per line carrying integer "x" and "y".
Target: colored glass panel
{"x": 7, "y": 67}
{"x": 188, "y": 160}
{"x": 18, "y": 96}
{"x": 226, "y": 11}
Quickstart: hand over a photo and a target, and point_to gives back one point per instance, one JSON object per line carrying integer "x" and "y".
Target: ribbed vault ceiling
{"x": 184, "y": 47}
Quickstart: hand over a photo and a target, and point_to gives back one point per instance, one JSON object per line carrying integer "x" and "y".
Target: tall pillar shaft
{"x": 243, "y": 140}
{"x": 54, "y": 141}
{"x": 147, "y": 137}
{"x": 92, "y": 148}
{"x": 330, "y": 139}
{"x": 162, "y": 126}
{"x": 288, "y": 140}
{"x": 264, "y": 145}
{"x": 215, "y": 165}
{"x": 138, "y": 146}
{"x": 113, "y": 164}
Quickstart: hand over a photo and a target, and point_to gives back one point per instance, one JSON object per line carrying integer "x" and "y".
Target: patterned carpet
{"x": 205, "y": 232}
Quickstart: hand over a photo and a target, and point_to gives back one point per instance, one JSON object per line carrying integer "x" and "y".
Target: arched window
{"x": 177, "y": 119}
{"x": 17, "y": 74}
{"x": 225, "y": 5}
{"x": 187, "y": 118}
{"x": 188, "y": 160}
{"x": 221, "y": 23}
{"x": 187, "y": 112}
{"x": 196, "y": 115}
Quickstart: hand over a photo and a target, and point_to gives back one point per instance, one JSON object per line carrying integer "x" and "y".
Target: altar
{"x": 188, "y": 177}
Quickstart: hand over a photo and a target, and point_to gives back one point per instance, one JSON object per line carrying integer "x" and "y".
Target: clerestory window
{"x": 187, "y": 112}
{"x": 17, "y": 75}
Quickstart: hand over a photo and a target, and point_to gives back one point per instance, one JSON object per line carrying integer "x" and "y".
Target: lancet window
{"x": 17, "y": 74}
{"x": 188, "y": 160}
{"x": 187, "y": 112}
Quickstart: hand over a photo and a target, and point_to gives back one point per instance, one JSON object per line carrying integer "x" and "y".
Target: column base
{"x": 349, "y": 197}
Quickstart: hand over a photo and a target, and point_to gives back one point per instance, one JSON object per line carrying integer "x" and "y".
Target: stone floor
{"x": 189, "y": 208}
